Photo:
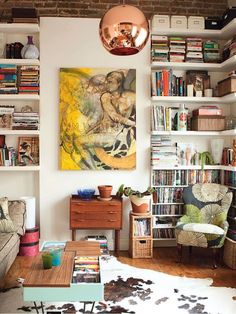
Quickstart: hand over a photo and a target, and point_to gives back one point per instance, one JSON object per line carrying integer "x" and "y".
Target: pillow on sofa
{"x": 6, "y": 224}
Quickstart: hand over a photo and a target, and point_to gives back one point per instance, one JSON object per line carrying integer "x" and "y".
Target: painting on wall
{"x": 97, "y": 119}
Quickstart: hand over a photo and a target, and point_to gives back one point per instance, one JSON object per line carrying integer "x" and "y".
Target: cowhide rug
{"x": 133, "y": 290}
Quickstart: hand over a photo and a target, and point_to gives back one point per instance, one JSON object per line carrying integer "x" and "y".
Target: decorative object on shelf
{"x": 139, "y": 200}
{"x": 233, "y": 163}
{"x": 182, "y": 118}
{"x": 217, "y": 145}
{"x": 101, "y": 132}
{"x": 28, "y": 152}
{"x": 2, "y": 44}
{"x": 105, "y": 191}
{"x": 124, "y": 30}
{"x": 30, "y": 51}
{"x": 86, "y": 194}
{"x": 30, "y": 211}
{"x": 205, "y": 158}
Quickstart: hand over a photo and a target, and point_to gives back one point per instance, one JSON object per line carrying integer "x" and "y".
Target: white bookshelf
{"x": 19, "y": 28}
{"x": 20, "y": 168}
{"x": 202, "y": 137}
{"x": 20, "y": 61}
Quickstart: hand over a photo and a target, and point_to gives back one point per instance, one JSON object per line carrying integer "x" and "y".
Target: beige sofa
{"x": 9, "y": 242}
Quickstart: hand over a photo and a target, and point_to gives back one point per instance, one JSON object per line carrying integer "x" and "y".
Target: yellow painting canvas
{"x": 97, "y": 119}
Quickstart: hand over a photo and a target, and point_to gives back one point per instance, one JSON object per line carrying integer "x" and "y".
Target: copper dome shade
{"x": 124, "y": 30}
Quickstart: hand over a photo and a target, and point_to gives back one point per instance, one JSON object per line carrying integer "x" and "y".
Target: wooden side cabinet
{"x": 96, "y": 214}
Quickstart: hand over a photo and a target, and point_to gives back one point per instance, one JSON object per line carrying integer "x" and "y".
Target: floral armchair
{"x": 204, "y": 224}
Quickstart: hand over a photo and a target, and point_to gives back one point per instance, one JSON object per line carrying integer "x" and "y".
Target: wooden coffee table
{"x": 55, "y": 284}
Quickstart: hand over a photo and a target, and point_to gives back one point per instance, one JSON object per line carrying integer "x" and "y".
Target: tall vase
{"x": 217, "y": 145}
{"x": 30, "y": 51}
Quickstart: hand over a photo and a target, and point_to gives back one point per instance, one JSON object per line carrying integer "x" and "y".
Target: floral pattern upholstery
{"x": 204, "y": 224}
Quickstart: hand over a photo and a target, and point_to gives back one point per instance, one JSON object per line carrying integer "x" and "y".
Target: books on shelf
{"x": 25, "y": 121}
{"x": 163, "y": 152}
{"x": 141, "y": 227}
{"x": 102, "y": 242}
{"x": 169, "y": 194}
{"x": 86, "y": 269}
{"x": 164, "y": 233}
{"x": 8, "y": 79}
{"x": 167, "y": 209}
{"x": 165, "y": 83}
{"x": 159, "y": 48}
{"x": 28, "y": 79}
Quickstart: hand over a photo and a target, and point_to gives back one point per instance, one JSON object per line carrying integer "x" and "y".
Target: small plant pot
{"x": 105, "y": 191}
{"x": 140, "y": 205}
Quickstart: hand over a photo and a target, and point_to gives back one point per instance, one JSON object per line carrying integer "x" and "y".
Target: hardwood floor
{"x": 199, "y": 265}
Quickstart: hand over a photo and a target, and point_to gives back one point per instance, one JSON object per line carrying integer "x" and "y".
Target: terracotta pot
{"x": 140, "y": 205}
{"x": 105, "y": 191}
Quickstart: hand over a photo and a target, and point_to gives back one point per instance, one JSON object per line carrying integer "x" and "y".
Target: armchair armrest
{"x": 224, "y": 225}
{"x": 17, "y": 212}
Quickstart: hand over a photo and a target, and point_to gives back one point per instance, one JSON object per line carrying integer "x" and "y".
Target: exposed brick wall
{"x": 96, "y": 8}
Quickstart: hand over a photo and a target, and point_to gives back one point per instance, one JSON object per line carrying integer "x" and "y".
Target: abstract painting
{"x": 97, "y": 119}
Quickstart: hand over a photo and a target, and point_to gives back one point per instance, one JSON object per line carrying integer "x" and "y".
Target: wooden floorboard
{"x": 199, "y": 265}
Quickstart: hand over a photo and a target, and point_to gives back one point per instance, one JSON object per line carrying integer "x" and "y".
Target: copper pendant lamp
{"x": 124, "y": 30}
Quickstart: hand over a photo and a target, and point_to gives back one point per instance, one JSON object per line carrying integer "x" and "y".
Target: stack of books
{"x": 86, "y": 269}
{"x": 164, "y": 118}
{"x": 177, "y": 49}
{"x": 211, "y": 51}
{"x": 8, "y": 79}
{"x": 194, "y": 50}
{"x": 159, "y": 48}
{"x": 28, "y": 79}
{"x": 25, "y": 121}
{"x": 141, "y": 227}
{"x": 102, "y": 241}
{"x": 163, "y": 152}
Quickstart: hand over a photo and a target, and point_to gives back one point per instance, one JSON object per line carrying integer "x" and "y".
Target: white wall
{"x": 74, "y": 42}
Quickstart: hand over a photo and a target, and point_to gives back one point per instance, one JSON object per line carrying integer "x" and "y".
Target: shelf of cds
{"x": 190, "y": 109}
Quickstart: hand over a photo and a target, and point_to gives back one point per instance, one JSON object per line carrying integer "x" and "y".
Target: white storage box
{"x": 196, "y": 22}
{"x": 160, "y": 21}
{"x": 178, "y": 21}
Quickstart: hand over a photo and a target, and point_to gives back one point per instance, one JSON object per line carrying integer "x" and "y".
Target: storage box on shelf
{"x": 171, "y": 168}
{"x": 140, "y": 245}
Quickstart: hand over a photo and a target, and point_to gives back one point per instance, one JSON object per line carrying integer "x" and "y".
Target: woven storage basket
{"x": 141, "y": 248}
{"x": 230, "y": 253}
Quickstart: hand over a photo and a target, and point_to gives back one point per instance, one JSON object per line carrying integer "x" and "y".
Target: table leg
{"x": 36, "y": 308}
{"x": 117, "y": 242}
{"x": 85, "y": 303}
{"x": 42, "y": 307}
{"x": 73, "y": 233}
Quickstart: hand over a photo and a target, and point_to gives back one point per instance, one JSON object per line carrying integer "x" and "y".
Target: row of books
{"x": 170, "y": 177}
{"x": 164, "y": 222}
{"x": 23, "y": 79}
{"x": 8, "y": 79}
{"x": 230, "y": 178}
{"x": 180, "y": 49}
{"x": 102, "y": 240}
{"x": 169, "y": 209}
{"x": 165, "y": 83}
{"x": 8, "y": 156}
{"x": 86, "y": 269}
{"x": 28, "y": 79}
{"x": 141, "y": 227}
{"x": 185, "y": 177}
{"x": 164, "y": 233}
{"x": 169, "y": 195}
{"x": 17, "y": 120}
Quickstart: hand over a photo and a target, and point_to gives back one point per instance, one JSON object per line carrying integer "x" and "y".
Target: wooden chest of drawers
{"x": 96, "y": 214}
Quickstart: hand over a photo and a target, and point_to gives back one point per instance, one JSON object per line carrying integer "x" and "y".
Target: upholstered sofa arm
{"x": 17, "y": 212}
{"x": 224, "y": 225}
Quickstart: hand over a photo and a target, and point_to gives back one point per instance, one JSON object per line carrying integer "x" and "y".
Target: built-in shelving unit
{"x": 166, "y": 212}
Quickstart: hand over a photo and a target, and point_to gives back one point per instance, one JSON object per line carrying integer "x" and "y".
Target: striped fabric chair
{"x": 204, "y": 224}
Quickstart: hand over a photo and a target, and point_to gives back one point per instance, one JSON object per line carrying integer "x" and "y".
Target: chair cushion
{"x": 200, "y": 227}
{"x": 6, "y": 224}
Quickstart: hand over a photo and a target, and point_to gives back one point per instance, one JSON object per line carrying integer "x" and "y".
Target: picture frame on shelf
{"x": 6, "y": 113}
{"x": 28, "y": 151}
{"x": 200, "y": 81}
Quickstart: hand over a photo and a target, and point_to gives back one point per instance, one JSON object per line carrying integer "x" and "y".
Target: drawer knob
{"x": 111, "y": 220}
{"x": 111, "y": 212}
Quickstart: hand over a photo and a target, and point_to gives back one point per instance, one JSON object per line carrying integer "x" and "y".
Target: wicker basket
{"x": 230, "y": 253}
{"x": 141, "y": 248}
